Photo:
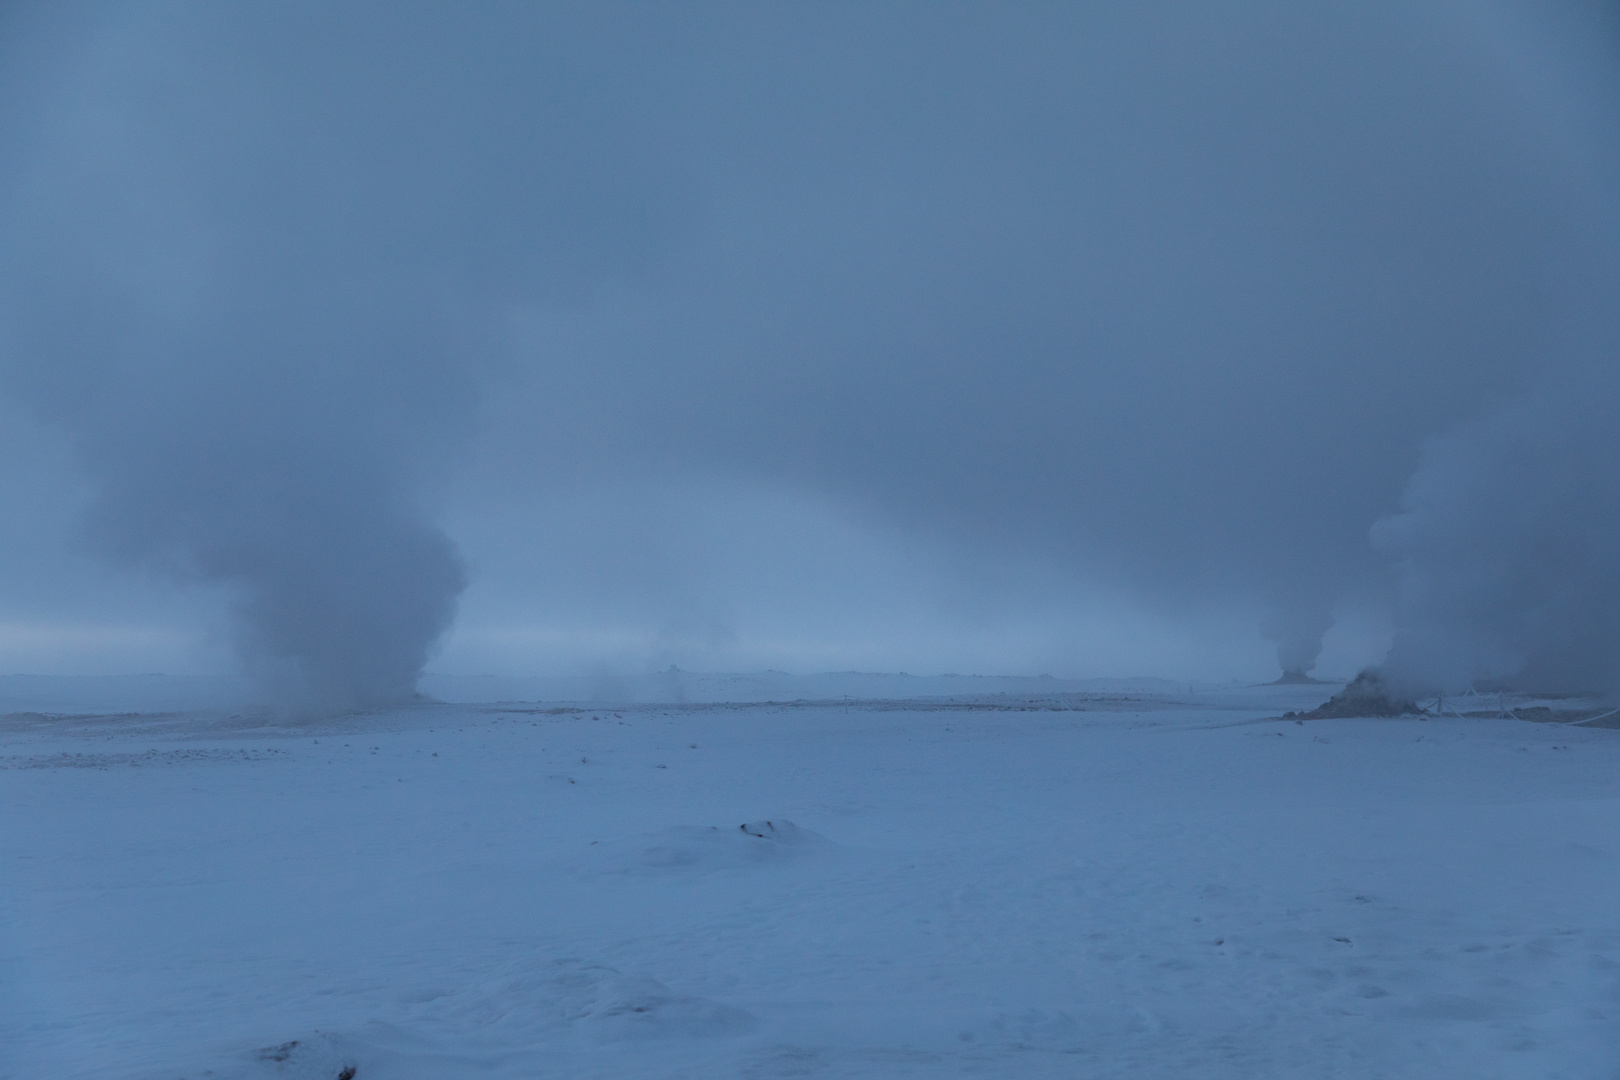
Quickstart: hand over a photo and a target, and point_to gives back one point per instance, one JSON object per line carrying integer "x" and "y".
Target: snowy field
{"x": 1087, "y": 886}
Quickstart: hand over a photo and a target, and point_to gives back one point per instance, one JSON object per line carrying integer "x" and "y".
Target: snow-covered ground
{"x": 170, "y": 693}
{"x": 1067, "y": 886}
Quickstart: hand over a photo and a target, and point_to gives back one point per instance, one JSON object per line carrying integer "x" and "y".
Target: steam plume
{"x": 1166, "y": 297}
{"x": 255, "y": 402}
{"x": 1508, "y": 547}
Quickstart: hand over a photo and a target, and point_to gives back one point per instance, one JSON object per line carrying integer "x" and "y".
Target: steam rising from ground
{"x": 257, "y": 402}
{"x": 1169, "y": 298}
{"x": 236, "y": 455}
{"x": 1508, "y": 552}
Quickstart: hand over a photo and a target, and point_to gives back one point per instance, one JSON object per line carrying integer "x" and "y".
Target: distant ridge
{"x": 675, "y": 685}
{"x": 1298, "y": 678}
{"x": 120, "y": 693}
{"x": 90, "y": 694}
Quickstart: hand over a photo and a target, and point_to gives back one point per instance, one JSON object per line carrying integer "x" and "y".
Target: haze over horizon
{"x": 1152, "y": 339}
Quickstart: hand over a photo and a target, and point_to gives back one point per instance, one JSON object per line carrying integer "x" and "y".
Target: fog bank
{"x": 1150, "y": 309}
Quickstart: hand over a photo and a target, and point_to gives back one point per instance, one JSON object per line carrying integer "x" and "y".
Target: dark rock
{"x": 1365, "y": 695}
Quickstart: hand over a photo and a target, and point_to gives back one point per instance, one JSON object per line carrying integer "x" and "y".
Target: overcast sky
{"x": 1102, "y": 339}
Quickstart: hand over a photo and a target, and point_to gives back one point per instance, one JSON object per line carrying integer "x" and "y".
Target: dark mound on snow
{"x": 1365, "y": 695}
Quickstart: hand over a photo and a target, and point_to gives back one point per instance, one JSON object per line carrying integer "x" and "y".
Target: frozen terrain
{"x": 178, "y": 693}
{"x": 1097, "y": 884}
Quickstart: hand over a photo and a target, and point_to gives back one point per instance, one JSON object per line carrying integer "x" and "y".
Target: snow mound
{"x": 689, "y": 849}
{"x": 318, "y": 1055}
{"x": 374, "y": 1051}
{"x": 529, "y": 1014}
{"x": 606, "y": 1005}
{"x": 312, "y": 1056}
{"x": 532, "y": 1004}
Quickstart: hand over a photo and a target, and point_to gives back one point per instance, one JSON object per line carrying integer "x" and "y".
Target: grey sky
{"x": 954, "y": 337}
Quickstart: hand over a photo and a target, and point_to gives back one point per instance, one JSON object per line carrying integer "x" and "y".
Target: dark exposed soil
{"x": 1365, "y": 695}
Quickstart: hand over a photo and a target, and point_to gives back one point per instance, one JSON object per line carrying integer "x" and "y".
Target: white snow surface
{"x": 1074, "y": 885}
